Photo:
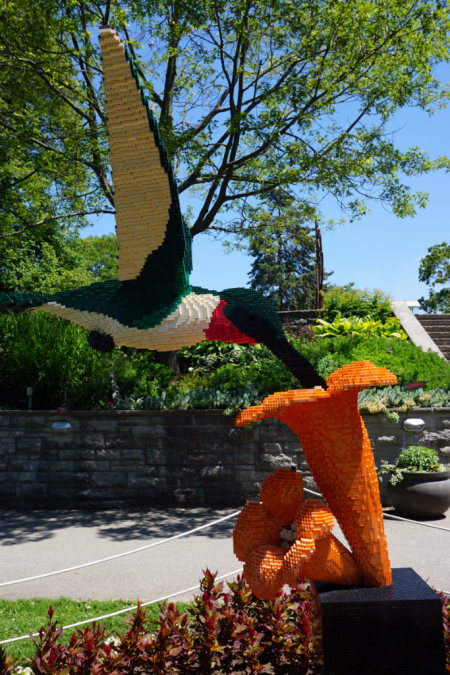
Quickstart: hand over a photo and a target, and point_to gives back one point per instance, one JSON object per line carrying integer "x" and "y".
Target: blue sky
{"x": 380, "y": 251}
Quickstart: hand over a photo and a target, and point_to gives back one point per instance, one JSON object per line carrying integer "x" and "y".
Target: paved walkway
{"x": 35, "y": 542}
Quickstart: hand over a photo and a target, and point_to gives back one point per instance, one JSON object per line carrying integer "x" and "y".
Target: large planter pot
{"x": 421, "y": 494}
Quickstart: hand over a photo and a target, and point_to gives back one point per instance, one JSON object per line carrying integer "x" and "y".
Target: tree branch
{"x": 50, "y": 218}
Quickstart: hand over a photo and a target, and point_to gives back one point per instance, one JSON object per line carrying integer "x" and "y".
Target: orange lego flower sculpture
{"x": 339, "y": 455}
{"x": 283, "y": 538}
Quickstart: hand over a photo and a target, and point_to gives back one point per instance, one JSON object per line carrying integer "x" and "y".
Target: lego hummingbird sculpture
{"x": 152, "y": 305}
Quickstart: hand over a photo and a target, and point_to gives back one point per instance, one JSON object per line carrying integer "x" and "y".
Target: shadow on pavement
{"x": 18, "y": 527}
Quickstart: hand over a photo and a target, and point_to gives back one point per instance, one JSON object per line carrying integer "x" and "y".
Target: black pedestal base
{"x": 392, "y": 630}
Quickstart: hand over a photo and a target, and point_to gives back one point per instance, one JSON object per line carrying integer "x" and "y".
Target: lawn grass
{"x": 20, "y": 617}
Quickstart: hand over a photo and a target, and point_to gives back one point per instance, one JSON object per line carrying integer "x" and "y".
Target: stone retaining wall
{"x": 125, "y": 458}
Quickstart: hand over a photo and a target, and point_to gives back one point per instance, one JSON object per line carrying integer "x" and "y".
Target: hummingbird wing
{"x": 154, "y": 242}
{"x": 155, "y": 254}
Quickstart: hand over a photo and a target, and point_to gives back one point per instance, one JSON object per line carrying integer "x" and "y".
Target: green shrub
{"x": 353, "y": 325}
{"x": 403, "y": 358}
{"x": 43, "y": 352}
{"x": 53, "y": 356}
{"x": 353, "y": 302}
{"x": 416, "y": 458}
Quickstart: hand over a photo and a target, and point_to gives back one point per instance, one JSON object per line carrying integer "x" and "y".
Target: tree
{"x": 250, "y": 94}
{"x": 48, "y": 176}
{"x": 68, "y": 263}
{"x": 284, "y": 249}
{"x": 435, "y": 270}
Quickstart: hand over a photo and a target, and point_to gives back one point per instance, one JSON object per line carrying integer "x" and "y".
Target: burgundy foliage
{"x": 224, "y": 632}
{"x": 445, "y": 599}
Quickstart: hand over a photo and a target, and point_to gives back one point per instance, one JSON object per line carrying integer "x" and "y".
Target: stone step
{"x": 435, "y": 323}
{"x": 437, "y": 331}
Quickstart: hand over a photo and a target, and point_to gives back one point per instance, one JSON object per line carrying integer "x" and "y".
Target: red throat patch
{"x": 221, "y": 328}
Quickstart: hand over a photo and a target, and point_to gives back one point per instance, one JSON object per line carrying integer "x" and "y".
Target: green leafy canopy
{"x": 250, "y": 96}
{"x": 435, "y": 270}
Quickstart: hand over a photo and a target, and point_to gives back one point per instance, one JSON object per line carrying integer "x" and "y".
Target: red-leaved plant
{"x": 445, "y": 599}
{"x": 224, "y": 632}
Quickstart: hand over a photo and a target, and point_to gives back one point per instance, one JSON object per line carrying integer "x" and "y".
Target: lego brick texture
{"x": 175, "y": 458}
{"x": 391, "y": 630}
{"x": 282, "y": 538}
{"x": 340, "y": 457}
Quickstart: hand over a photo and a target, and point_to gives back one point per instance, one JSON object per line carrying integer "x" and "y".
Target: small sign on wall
{"x": 416, "y": 385}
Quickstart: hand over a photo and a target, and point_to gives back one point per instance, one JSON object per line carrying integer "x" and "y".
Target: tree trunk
{"x": 319, "y": 266}
{"x": 169, "y": 359}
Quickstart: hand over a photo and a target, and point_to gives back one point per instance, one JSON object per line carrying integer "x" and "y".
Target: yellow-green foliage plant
{"x": 354, "y": 325}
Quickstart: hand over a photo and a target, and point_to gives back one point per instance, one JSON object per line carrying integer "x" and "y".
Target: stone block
{"x": 243, "y": 435}
{"x": 55, "y": 442}
{"x": 30, "y": 446}
{"x": 389, "y": 440}
{"x": 32, "y": 490}
{"x": 17, "y": 421}
{"x": 274, "y": 462}
{"x": 108, "y": 426}
{"x": 108, "y": 479}
{"x": 156, "y": 457}
{"x": 68, "y": 477}
{"x": 76, "y": 454}
{"x": 35, "y": 422}
{"x": 9, "y": 433}
{"x": 292, "y": 447}
{"x": 247, "y": 458}
{"x": 167, "y": 457}
{"x": 96, "y": 494}
{"x": 62, "y": 465}
{"x": 445, "y": 451}
{"x": 107, "y": 454}
{"x": 18, "y": 477}
{"x": 91, "y": 465}
{"x": 150, "y": 471}
{"x": 189, "y": 496}
{"x": 7, "y": 489}
{"x": 7, "y": 447}
{"x": 213, "y": 420}
{"x": 203, "y": 460}
{"x": 438, "y": 436}
{"x": 205, "y": 433}
{"x": 4, "y": 420}
{"x": 88, "y": 441}
{"x": 133, "y": 454}
{"x": 171, "y": 473}
{"x": 19, "y": 464}
{"x": 143, "y": 482}
{"x": 176, "y": 418}
{"x": 216, "y": 473}
{"x": 182, "y": 445}
{"x": 155, "y": 431}
{"x": 272, "y": 448}
{"x": 249, "y": 475}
